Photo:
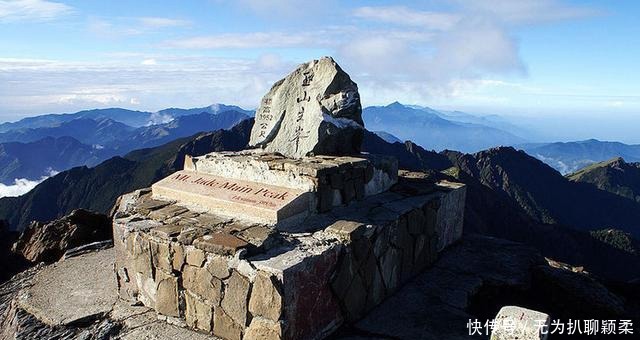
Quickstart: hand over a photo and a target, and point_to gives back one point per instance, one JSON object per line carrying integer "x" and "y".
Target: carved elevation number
{"x": 265, "y": 114}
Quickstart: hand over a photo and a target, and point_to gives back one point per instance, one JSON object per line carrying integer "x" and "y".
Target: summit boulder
{"x": 315, "y": 110}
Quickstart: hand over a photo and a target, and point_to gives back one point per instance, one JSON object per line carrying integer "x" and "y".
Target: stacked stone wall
{"x": 244, "y": 281}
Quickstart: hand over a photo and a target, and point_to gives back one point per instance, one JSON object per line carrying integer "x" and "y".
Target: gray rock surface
{"x": 314, "y": 110}
{"x": 47, "y": 242}
{"x": 76, "y": 298}
{"x": 83, "y": 298}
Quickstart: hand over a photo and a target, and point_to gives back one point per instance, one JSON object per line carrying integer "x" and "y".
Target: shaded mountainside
{"x": 97, "y": 188}
{"x": 546, "y": 195}
{"x": 491, "y": 212}
{"x": 615, "y": 176}
{"x": 571, "y": 156}
{"x": 180, "y": 127}
{"x": 427, "y": 127}
{"x": 37, "y": 159}
{"x": 502, "y": 197}
{"x": 618, "y": 239}
{"x": 10, "y": 263}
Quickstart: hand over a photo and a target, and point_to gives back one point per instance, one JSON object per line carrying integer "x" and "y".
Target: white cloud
{"x": 21, "y": 186}
{"x": 392, "y": 52}
{"x": 431, "y": 53}
{"x": 159, "y": 118}
{"x": 401, "y": 15}
{"x": 31, "y": 10}
{"x": 107, "y": 29}
{"x": 96, "y": 96}
{"x": 150, "y": 61}
{"x": 29, "y": 87}
{"x": 132, "y": 26}
{"x": 290, "y": 10}
{"x": 526, "y": 11}
{"x": 158, "y": 22}
{"x": 252, "y": 40}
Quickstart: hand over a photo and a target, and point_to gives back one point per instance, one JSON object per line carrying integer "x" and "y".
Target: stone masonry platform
{"x": 289, "y": 189}
{"x": 238, "y": 279}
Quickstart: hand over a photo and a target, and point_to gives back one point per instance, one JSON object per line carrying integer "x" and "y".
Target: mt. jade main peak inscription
{"x": 263, "y": 202}
{"x": 315, "y": 110}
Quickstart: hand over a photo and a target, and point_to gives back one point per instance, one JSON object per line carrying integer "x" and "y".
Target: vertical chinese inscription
{"x": 265, "y": 117}
{"x": 299, "y": 133}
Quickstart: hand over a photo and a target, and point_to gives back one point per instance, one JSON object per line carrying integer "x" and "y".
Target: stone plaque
{"x": 231, "y": 197}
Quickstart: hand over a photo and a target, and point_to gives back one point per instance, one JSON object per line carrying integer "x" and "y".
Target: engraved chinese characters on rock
{"x": 299, "y": 132}
{"x": 265, "y": 117}
{"x": 313, "y": 110}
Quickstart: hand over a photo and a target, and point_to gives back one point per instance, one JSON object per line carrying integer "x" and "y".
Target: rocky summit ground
{"x": 76, "y": 298}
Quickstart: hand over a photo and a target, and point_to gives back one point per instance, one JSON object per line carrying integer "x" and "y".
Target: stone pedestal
{"x": 330, "y": 180}
{"x": 365, "y": 231}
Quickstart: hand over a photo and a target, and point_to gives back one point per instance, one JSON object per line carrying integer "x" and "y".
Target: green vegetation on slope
{"x": 619, "y": 239}
{"x": 615, "y": 176}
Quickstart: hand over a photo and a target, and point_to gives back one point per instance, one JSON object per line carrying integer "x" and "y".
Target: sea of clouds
{"x": 21, "y": 186}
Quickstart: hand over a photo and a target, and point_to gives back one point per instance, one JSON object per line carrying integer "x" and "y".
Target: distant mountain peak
{"x": 614, "y": 175}
{"x": 215, "y": 107}
{"x": 617, "y": 162}
{"x": 395, "y": 104}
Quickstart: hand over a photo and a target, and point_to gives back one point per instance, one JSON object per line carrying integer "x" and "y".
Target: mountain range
{"x": 510, "y": 195}
{"x": 103, "y": 133}
{"x": 36, "y": 159}
{"x": 33, "y": 147}
{"x": 568, "y": 157}
{"x": 437, "y": 130}
{"x": 456, "y": 130}
{"x": 128, "y": 117}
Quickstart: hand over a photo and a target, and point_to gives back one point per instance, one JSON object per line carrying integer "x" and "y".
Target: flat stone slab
{"x": 233, "y": 197}
{"x": 72, "y": 290}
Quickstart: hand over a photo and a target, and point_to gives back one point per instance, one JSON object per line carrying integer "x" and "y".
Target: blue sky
{"x": 540, "y": 60}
